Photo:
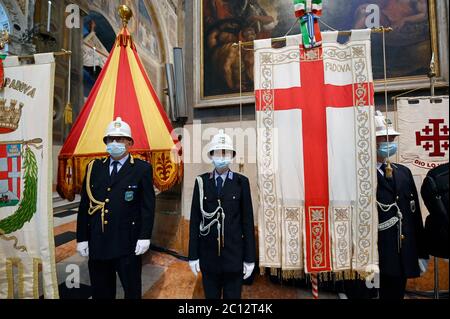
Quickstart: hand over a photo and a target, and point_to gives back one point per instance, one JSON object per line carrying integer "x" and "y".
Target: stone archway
{"x": 99, "y": 33}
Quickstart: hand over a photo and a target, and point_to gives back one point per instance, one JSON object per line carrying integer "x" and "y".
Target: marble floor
{"x": 163, "y": 276}
{"x": 167, "y": 277}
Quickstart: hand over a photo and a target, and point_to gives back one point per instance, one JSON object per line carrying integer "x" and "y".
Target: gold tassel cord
{"x": 389, "y": 170}
{"x": 68, "y": 110}
{"x": 68, "y": 114}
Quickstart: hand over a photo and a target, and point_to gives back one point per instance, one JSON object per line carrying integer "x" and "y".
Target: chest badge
{"x": 129, "y": 196}
{"x": 413, "y": 206}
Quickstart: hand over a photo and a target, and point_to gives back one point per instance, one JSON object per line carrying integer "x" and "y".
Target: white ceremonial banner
{"x": 316, "y": 156}
{"x": 424, "y": 129}
{"x": 27, "y": 249}
{"x": 424, "y": 140}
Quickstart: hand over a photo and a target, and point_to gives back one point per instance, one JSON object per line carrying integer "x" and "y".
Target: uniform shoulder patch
{"x": 241, "y": 177}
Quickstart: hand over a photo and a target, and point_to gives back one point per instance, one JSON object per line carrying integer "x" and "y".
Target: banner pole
{"x": 31, "y": 56}
{"x": 341, "y": 33}
{"x": 432, "y": 76}
{"x": 315, "y": 285}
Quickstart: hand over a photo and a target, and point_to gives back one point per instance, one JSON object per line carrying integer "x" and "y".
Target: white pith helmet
{"x": 118, "y": 128}
{"x": 221, "y": 141}
{"x": 381, "y": 124}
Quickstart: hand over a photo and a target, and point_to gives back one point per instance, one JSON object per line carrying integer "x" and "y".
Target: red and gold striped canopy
{"x": 124, "y": 90}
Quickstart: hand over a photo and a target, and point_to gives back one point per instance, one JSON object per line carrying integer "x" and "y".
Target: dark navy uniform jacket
{"x": 239, "y": 243}
{"x": 405, "y": 262}
{"x": 129, "y": 209}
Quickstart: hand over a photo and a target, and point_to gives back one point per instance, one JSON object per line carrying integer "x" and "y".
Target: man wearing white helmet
{"x": 401, "y": 245}
{"x": 116, "y": 214}
{"x": 222, "y": 240}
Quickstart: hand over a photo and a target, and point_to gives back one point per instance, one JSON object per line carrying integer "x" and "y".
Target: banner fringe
{"x": 262, "y": 271}
{"x": 323, "y": 276}
{"x": 292, "y": 274}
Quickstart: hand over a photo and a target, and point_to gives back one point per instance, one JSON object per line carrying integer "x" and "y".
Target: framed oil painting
{"x": 219, "y": 24}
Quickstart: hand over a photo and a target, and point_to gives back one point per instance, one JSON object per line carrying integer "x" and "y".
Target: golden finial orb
{"x": 125, "y": 14}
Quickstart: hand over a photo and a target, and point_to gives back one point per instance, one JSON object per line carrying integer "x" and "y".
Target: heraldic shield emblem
{"x": 18, "y": 172}
{"x": 10, "y": 174}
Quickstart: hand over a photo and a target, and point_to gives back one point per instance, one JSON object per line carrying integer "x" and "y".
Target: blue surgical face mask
{"x": 386, "y": 150}
{"x": 116, "y": 150}
{"x": 221, "y": 162}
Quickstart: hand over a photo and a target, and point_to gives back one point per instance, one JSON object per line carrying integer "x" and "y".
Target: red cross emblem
{"x": 314, "y": 107}
{"x": 435, "y": 138}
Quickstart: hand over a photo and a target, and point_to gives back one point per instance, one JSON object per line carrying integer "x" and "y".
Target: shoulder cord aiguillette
{"x": 211, "y": 218}
{"x": 98, "y": 204}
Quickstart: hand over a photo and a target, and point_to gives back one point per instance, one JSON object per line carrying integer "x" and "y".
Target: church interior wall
{"x": 172, "y": 26}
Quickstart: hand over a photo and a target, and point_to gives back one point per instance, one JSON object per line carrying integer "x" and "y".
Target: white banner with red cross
{"x": 27, "y": 249}
{"x": 316, "y": 156}
{"x": 424, "y": 140}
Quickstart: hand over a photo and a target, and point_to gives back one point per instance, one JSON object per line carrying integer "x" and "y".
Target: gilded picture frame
{"x": 208, "y": 29}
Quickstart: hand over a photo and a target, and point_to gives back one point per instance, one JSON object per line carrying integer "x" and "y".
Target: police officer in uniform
{"x": 222, "y": 240}
{"x": 401, "y": 245}
{"x": 435, "y": 194}
{"x": 115, "y": 217}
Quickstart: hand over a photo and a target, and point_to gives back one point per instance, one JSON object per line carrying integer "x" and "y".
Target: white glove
{"x": 83, "y": 249}
{"x": 195, "y": 266}
{"x": 423, "y": 265}
{"x": 248, "y": 269}
{"x": 142, "y": 246}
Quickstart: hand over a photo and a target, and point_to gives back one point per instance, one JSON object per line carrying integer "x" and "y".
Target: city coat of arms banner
{"x": 27, "y": 261}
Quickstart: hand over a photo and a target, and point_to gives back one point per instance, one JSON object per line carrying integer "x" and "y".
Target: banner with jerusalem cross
{"x": 424, "y": 141}
{"x": 27, "y": 259}
{"x": 316, "y": 156}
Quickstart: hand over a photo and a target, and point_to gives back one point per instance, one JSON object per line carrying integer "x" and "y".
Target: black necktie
{"x": 219, "y": 185}
{"x": 114, "y": 171}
